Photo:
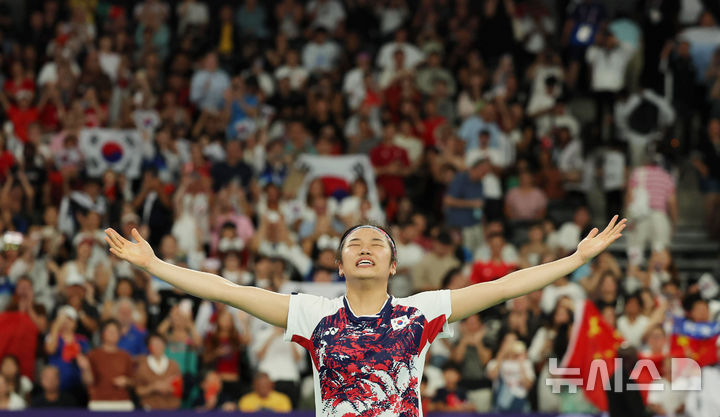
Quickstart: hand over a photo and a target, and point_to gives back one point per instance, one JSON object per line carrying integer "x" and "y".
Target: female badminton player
{"x": 367, "y": 347}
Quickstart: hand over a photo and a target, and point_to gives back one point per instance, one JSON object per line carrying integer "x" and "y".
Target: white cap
{"x": 474, "y": 157}
{"x": 708, "y": 287}
{"x": 74, "y": 278}
{"x": 282, "y": 72}
{"x": 68, "y": 311}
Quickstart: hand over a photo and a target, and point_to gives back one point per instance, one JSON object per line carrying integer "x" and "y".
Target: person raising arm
{"x": 266, "y": 305}
{"x": 366, "y": 329}
{"x": 475, "y": 298}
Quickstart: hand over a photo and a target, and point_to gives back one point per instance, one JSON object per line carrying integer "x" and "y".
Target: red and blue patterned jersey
{"x": 368, "y": 366}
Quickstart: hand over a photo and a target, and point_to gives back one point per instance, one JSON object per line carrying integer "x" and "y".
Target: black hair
{"x": 561, "y": 341}
{"x": 450, "y": 365}
{"x": 109, "y": 322}
{"x": 494, "y": 235}
{"x": 152, "y": 335}
{"x": 635, "y": 295}
{"x": 228, "y": 224}
{"x": 15, "y": 359}
{"x": 391, "y": 241}
{"x": 444, "y": 237}
{"x": 690, "y": 300}
{"x": 449, "y": 275}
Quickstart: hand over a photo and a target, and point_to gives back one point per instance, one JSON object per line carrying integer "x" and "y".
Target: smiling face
{"x": 366, "y": 254}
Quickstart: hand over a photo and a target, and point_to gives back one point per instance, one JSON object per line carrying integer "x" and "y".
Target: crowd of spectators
{"x": 487, "y": 125}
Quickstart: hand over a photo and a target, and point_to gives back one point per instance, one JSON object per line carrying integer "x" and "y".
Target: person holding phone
{"x": 368, "y": 348}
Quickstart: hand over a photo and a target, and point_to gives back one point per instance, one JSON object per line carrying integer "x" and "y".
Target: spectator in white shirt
{"x": 508, "y": 253}
{"x": 354, "y": 81}
{"x": 608, "y": 59}
{"x": 49, "y": 72}
{"x": 321, "y": 54}
{"x": 293, "y": 70}
{"x": 9, "y": 400}
{"x": 109, "y": 60}
{"x": 413, "y": 55}
{"x": 613, "y": 164}
{"x": 567, "y": 237}
{"x": 392, "y": 15}
{"x": 542, "y": 102}
{"x": 398, "y": 69}
{"x": 191, "y": 13}
{"x": 281, "y": 361}
{"x": 569, "y": 159}
{"x": 512, "y": 374}
{"x": 560, "y": 288}
{"x": 325, "y": 13}
{"x": 633, "y": 325}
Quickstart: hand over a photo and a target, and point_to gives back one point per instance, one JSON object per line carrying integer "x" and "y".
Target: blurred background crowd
{"x": 491, "y": 135}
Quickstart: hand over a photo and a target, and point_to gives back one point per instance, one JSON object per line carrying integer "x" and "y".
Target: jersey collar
{"x": 386, "y": 307}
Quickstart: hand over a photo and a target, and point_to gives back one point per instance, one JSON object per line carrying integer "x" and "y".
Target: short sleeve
{"x": 436, "y": 307}
{"x": 304, "y": 314}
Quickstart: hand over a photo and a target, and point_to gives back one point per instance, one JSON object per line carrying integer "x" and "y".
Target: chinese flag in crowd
{"x": 592, "y": 339}
{"x": 695, "y": 340}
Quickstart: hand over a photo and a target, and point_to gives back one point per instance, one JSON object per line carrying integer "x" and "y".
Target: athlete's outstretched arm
{"x": 475, "y": 298}
{"x": 265, "y": 305}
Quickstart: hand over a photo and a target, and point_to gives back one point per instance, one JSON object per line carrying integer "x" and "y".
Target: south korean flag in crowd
{"x": 118, "y": 150}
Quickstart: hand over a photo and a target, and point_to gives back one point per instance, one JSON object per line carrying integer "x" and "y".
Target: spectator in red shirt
{"x": 495, "y": 267}
{"x": 222, "y": 351}
{"x": 391, "y": 165}
{"x": 7, "y": 160}
{"x": 19, "y": 80}
{"x": 22, "y": 114}
{"x": 433, "y": 120}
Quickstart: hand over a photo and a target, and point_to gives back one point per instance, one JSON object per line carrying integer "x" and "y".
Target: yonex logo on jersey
{"x": 331, "y": 331}
{"x": 399, "y": 322}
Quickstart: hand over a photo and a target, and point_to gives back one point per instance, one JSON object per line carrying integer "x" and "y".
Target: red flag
{"x": 702, "y": 351}
{"x": 19, "y": 338}
{"x": 592, "y": 338}
{"x": 177, "y": 386}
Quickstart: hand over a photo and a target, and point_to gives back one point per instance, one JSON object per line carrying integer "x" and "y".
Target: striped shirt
{"x": 658, "y": 183}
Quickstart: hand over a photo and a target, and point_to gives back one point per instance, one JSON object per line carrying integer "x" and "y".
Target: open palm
{"x": 139, "y": 254}
{"x": 595, "y": 242}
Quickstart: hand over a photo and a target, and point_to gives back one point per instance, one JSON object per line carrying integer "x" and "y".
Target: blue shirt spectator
{"x": 133, "y": 341}
{"x": 242, "y": 108}
{"x": 473, "y": 125}
{"x": 465, "y": 195}
{"x": 251, "y": 19}
{"x": 64, "y": 360}
{"x": 208, "y": 85}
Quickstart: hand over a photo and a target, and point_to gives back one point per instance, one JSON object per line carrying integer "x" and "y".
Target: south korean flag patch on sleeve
{"x": 399, "y": 322}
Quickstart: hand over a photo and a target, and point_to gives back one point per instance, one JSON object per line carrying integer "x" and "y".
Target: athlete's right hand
{"x": 139, "y": 254}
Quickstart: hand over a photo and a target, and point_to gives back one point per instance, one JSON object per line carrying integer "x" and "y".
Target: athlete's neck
{"x": 366, "y": 301}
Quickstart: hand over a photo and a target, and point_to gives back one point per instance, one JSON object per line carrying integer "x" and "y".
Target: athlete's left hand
{"x": 595, "y": 242}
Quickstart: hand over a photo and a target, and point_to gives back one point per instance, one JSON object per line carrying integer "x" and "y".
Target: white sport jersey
{"x": 369, "y": 366}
